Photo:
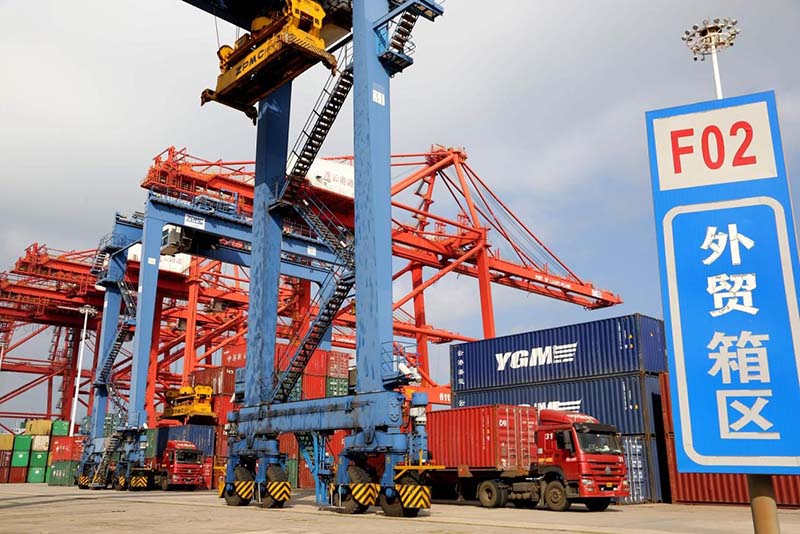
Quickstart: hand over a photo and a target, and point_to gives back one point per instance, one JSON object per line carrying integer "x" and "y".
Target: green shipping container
{"x": 38, "y": 459}
{"x": 47, "y": 472}
{"x": 291, "y": 472}
{"x": 36, "y": 474}
{"x": 335, "y": 387}
{"x": 60, "y": 428}
{"x": 297, "y": 391}
{"x": 63, "y": 473}
{"x": 152, "y": 441}
{"x": 23, "y": 443}
{"x": 20, "y": 459}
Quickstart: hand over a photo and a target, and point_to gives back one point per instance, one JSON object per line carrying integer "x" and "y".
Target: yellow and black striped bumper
{"x": 138, "y": 482}
{"x": 83, "y": 480}
{"x": 414, "y": 496}
{"x": 244, "y": 488}
{"x": 121, "y": 481}
{"x": 280, "y": 491}
{"x": 365, "y": 493}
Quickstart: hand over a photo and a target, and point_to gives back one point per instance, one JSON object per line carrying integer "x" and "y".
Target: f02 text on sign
{"x": 719, "y": 146}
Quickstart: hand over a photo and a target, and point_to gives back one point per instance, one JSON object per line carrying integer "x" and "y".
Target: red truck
{"x": 179, "y": 465}
{"x": 505, "y": 453}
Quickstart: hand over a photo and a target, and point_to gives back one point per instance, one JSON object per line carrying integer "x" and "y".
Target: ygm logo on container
{"x": 537, "y": 356}
{"x": 561, "y": 406}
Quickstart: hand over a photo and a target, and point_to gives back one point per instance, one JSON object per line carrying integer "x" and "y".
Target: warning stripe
{"x": 83, "y": 480}
{"x": 121, "y": 481}
{"x": 138, "y": 482}
{"x": 280, "y": 491}
{"x": 244, "y": 488}
{"x": 365, "y": 493}
{"x": 414, "y": 496}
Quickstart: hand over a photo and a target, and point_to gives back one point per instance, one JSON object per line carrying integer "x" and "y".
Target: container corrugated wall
{"x": 620, "y": 345}
{"x": 201, "y": 435}
{"x": 485, "y": 437}
{"x": 623, "y": 401}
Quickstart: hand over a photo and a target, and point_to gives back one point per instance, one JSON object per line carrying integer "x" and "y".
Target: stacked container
{"x": 20, "y": 458}
{"x": 607, "y": 369}
{"x": 6, "y": 451}
{"x": 707, "y": 488}
{"x": 65, "y": 455}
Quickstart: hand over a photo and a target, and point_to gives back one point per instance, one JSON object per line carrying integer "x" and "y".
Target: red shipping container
{"x": 66, "y": 449}
{"x": 208, "y": 473}
{"x": 304, "y": 478}
{"x": 235, "y": 355}
{"x": 495, "y": 437}
{"x": 338, "y": 364}
{"x": 4, "y": 475}
{"x": 17, "y": 475}
{"x": 222, "y": 405}
{"x": 313, "y": 387}
{"x": 666, "y": 403}
{"x": 287, "y": 444}
{"x": 5, "y": 458}
{"x": 336, "y": 443}
{"x": 221, "y": 446}
{"x": 221, "y": 379}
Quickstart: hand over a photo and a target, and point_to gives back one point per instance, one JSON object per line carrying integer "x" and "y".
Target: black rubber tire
{"x": 231, "y": 498}
{"x": 117, "y": 486}
{"x": 555, "y": 495}
{"x": 358, "y": 475}
{"x": 164, "y": 484}
{"x": 597, "y": 505}
{"x": 491, "y": 494}
{"x": 274, "y": 474}
{"x": 393, "y": 507}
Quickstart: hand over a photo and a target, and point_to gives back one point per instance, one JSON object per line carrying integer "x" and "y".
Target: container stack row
{"x": 607, "y": 368}
{"x": 28, "y": 457}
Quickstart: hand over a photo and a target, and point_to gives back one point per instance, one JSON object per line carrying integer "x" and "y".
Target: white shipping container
{"x": 41, "y": 443}
{"x": 179, "y": 263}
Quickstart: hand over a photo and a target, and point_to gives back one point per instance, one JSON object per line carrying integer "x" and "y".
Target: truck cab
{"x": 181, "y": 464}
{"x": 581, "y": 460}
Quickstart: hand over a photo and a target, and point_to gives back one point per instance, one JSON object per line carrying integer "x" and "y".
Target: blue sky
{"x": 547, "y": 97}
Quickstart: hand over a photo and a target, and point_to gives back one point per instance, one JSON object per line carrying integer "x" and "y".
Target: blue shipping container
{"x": 201, "y": 435}
{"x": 641, "y": 459}
{"x": 628, "y": 402}
{"x": 620, "y": 345}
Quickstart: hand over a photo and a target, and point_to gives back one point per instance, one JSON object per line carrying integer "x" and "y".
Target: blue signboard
{"x": 729, "y": 277}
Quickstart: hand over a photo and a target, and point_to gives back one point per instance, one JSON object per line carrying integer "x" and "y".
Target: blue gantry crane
{"x": 384, "y": 457}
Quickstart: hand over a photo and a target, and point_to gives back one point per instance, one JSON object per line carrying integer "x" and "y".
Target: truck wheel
{"x": 240, "y": 474}
{"x": 393, "y": 506}
{"x": 491, "y": 494}
{"x": 274, "y": 474}
{"x": 597, "y": 505}
{"x": 164, "y": 484}
{"x": 556, "y": 496}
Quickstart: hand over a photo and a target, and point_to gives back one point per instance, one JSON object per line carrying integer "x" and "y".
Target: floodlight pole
{"x": 715, "y": 63}
{"x": 86, "y": 311}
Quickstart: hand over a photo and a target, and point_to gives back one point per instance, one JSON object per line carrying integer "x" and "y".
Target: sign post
{"x": 729, "y": 277}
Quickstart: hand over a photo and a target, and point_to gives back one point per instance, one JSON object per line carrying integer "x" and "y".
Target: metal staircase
{"x": 124, "y": 329}
{"x": 101, "y": 473}
{"x": 322, "y": 117}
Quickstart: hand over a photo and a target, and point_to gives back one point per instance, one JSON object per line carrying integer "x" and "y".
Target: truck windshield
{"x": 187, "y": 457}
{"x": 594, "y": 443}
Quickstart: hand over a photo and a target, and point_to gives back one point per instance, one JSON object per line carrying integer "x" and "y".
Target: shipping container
{"x": 643, "y": 474}
{"x": 313, "y": 387}
{"x": 5, "y": 458}
{"x": 222, "y": 405}
{"x": 629, "y": 344}
{"x": 505, "y": 437}
{"x": 336, "y": 443}
{"x": 4, "y": 474}
{"x": 305, "y": 479}
{"x": 66, "y": 449}
{"x": 287, "y": 444}
{"x": 235, "y": 355}
{"x": 316, "y": 366}
{"x": 335, "y": 387}
{"x": 38, "y": 459}
{"x": 63, "y": 473}
{"x": 40, "y": 443}
{"x": 60, "y": 428}
{"x": 22, "y": 443}
{"x": 38, "y": 427}
{"x": 221, "y": 379}
{"x": 6, "y": 442}
{"x": 221, "y": 443}
{"x": 17, "y": 475}
{"x": 36, "y": 474}
{"x": 627, "y": 402}
{"x": 338, "y": 364}
{"x": 20, "y": 458}
{"x": 291, "y": 471}
{"x": 208, "y": 472}
{"x": 203, "y": 437}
